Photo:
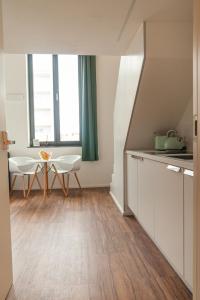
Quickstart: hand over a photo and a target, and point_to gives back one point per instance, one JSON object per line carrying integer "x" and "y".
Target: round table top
{"x": 51, "y": 160}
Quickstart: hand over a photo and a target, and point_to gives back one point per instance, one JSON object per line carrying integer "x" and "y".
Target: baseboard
{"x": 117, "y": 203}
{"x": 103, "y": 186}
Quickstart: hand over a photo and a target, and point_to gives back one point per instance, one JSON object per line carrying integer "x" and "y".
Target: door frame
{"x": 196, "y": 147}
{"x": 6, "y": 276}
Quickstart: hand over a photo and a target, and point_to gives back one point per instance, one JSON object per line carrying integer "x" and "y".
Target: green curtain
{"x": 88, "y": 107}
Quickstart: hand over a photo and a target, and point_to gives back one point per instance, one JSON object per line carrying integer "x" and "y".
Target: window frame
{"x": 55, "y": 72}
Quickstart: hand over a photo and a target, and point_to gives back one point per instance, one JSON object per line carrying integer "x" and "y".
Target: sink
{"x": 171, "y": 153}
{"x": 166, "y": 152}
{"x": 153, "y": 152}
{"x": 161, "y": 152}
{"x": 181, "y": 156}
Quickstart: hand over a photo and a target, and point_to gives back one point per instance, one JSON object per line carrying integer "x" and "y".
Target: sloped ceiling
{"x": 77, "y": 26}
{"x": 165, "y": 87}
{"x": 161, "y": 100}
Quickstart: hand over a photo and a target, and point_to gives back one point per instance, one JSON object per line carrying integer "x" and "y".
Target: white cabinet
{"x": 132, "y": 183}
{"x": 161, "y": 197}
{"x": 188, "y": 229}
{"x": 169, "y": 214}
{"x": 146, "y": 195}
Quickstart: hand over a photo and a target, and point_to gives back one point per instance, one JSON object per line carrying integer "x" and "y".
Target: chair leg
{"x": 24, "y": 186}
{"x": 54, "y": 178}
{"x": 28, "y": 181}
{"x": 77, "y": 180}
{"x": 31, "y": 184}
{"x": 68, "y": 176}
{"x": 60, "y": 181}
{"x": 13, "y": 183}
{"x": 63, "y": 179}
{"x": 38, "y": 181}
{"x": 34, "y": 176}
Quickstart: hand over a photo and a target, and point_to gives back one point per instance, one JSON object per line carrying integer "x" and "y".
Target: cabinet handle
{"x": 188, "y": 172}
{"x": 137, "y": 157}
{"x": 174, "y": 168}
{"x": 195, "y": 126}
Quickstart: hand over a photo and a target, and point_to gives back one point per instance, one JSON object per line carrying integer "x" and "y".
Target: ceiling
{"x": 83, "y": 27}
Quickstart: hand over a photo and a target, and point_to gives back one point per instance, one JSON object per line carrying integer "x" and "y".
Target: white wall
{"x": 2, "y": 83}
{"x": 2, "y": 92}
{"x": 166, "y": 82}
{"x": 88, "y": 27}
{"x": 162, "y": 95}
{"x": 129, "y": 75}
{"x": 185, "y": 125}
{"x": 92, "y": 174}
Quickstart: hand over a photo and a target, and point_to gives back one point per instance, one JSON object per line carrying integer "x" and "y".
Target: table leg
{"x": 45, "y": 180}
{"x": 31, "y": 184}
{"x": 68, "y": 183}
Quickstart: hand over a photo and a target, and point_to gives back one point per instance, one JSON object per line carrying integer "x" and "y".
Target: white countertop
{"x": 161, "y": 157}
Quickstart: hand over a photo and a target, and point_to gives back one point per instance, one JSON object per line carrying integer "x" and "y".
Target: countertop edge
{"x": 163, "y": 159}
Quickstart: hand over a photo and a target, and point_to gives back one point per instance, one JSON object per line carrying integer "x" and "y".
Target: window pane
{"x": 43, "y": 97}
{"x": 69, "y": 97}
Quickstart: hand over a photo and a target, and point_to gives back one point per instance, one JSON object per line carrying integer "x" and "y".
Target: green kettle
{"x": 173, "y": 142}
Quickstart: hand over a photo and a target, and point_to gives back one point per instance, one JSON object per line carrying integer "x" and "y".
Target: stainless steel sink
{"x": 181, "y": 156}
{"x": 153, "y": 152}
{"x": 172, "y": 154}
{"x": 157, "y": 152}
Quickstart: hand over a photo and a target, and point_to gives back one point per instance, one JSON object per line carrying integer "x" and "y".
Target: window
{"x": 54, "y": 99}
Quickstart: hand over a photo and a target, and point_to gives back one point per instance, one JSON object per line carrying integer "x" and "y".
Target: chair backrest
{"x": 21, "y": 164}
{"x": 13, "y": 166}
{"x": 73, "y": 162}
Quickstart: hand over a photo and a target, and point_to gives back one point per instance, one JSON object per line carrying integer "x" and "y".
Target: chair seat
{"x": 25, "y": 173}
{"x": 31, "y": 173}
{"x": 71, "y": 162}
{"x": 22, "y": 166}
{"x": 66, "y": 164}
{"x": 60, "y": 171}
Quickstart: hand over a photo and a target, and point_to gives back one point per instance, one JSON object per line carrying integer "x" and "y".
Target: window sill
{"x": 56, "y": 146}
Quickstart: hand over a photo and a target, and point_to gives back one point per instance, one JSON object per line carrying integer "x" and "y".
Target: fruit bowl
{"x": 45, "y": 155}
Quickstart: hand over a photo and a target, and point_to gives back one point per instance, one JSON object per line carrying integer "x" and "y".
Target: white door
{"x": 132, "y": 183}
{"x": 5, "y": 240}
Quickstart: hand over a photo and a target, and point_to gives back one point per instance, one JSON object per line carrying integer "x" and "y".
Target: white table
{"x": 46, "y": 168}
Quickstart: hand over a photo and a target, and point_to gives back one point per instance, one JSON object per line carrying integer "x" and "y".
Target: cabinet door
{"x": 188, "y": 229}
{"x": 146, "y": 195}
{"x": 132, "y": 183}
{"x": 169, "y": 215}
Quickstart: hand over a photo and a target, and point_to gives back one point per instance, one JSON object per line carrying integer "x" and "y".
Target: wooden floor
{"x": 82, "y": 248}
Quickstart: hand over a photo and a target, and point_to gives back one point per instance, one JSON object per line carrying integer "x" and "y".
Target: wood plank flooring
{"x": 81, "y": 248}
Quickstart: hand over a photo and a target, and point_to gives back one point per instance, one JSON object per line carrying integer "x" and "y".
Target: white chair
{"x": 24, "y": 166}
{"x": 66, "y": 164}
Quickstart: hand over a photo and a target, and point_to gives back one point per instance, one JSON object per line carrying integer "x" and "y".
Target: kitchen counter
{"x": 163, "y": 158}
{"x": 159, "y": 192}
